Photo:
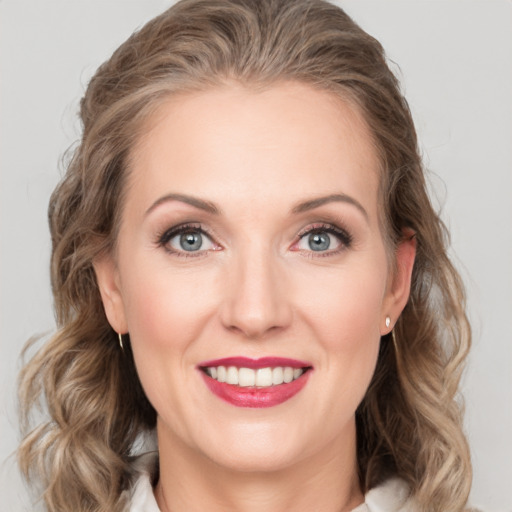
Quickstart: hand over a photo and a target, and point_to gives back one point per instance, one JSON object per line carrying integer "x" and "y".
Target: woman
{"x": 246, "y": 262}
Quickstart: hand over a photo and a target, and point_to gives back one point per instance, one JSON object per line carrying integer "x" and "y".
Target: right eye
{"x": 187, "y": 241}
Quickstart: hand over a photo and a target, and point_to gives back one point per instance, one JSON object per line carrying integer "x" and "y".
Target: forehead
{"x": 282, "y": 143}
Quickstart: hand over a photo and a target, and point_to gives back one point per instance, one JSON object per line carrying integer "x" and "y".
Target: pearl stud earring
{"x": 388, "y": 321}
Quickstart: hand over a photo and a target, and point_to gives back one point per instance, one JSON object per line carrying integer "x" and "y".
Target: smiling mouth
{"x": 255, "y": 383}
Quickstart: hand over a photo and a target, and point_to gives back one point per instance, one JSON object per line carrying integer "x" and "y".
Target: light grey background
{"x": 455, "y": 58}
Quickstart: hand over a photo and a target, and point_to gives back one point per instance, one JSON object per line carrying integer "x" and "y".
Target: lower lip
{"x": 256, "y": 397}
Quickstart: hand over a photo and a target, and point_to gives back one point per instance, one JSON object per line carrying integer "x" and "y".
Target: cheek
{"x": 345, "y": 313}
{"x": 166, "y": 313}
{"x": 164, "y": 309}
{"x": 346, "y": 304}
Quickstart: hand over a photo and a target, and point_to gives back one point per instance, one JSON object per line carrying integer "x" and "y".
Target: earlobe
{"x": 400, "y": 286}
{"x": 107, "y": 277}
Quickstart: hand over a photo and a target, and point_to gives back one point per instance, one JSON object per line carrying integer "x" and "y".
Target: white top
{"x": 392, "y": 496}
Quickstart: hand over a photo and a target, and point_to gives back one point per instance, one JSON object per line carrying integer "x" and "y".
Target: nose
{"x": 256, "y": 300}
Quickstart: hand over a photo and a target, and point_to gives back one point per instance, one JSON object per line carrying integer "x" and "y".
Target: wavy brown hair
{"x": 409, "y": 423}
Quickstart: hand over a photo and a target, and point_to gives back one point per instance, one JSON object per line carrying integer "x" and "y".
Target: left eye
{"x": 319, "y": 241}
{"x": 190, "y": 241}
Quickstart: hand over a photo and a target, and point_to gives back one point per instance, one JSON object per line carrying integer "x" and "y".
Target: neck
{"x": 191, "y": 482}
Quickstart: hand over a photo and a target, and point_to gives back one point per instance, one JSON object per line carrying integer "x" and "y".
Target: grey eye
{"x": 323, "y": 239}
{"x": 190, "y": 241}
{"x": 187, "y": 239}
{"x": 319, "y": 241}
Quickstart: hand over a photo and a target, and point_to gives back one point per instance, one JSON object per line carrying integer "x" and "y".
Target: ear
{"x": 399, "y": 287}
{"x": 107, "y": 276}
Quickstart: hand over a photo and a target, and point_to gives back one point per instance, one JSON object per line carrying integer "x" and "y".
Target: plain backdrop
{"x": 454, "y": 59}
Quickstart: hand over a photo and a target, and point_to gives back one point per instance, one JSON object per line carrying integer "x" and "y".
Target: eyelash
{"x": 164, "y": 238}
{"x": 344, "y": 237}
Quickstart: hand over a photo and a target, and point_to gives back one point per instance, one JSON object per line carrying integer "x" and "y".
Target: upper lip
{"x": 262, "y": 362}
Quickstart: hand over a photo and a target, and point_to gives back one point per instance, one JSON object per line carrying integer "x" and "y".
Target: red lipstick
{"x": 255, "y": 397}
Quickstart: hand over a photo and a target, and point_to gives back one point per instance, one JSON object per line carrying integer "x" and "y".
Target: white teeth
{"x": 277, "y": 376}
{"x": 264, "y": 377}
{"x": 247, "y": 377}
{"x": 232, "y": 375}
{"x": 212, "y": 372}
{"x": 221, "y": 374}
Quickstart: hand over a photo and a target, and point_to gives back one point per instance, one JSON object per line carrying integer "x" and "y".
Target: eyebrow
{"x": 302, "y": 207}
{"x": 332, "y": 198}
{"x": 201, "y": 204}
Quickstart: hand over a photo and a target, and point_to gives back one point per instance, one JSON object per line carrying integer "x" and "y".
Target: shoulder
{"x": 140, "y": 497}
{"x": 391, "y": 496}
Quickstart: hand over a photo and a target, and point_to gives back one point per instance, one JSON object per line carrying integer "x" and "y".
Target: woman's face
{"x": 251, "y": 230}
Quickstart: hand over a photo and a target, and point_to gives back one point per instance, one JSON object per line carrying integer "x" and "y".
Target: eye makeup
{"x": 343, "y": 237}
{"x": 192, "y": 234}
{"x": 193, "y": 240}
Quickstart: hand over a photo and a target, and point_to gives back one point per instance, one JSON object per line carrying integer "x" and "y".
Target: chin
{"x": 257, "y": 458}
{"x": 258, "y": 447}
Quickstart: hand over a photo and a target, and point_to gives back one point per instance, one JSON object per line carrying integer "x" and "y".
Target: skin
{"x": 255, "y": 289}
